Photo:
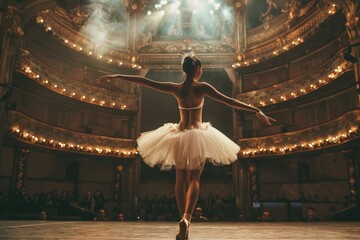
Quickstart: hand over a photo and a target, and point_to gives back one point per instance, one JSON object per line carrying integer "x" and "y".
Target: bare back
{"x": 190, "y": 105}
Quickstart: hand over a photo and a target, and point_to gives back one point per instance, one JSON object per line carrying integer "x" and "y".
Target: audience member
{"x": 101, "y": 216}
{"x": 266, "y": 217}
{"x": 198, "y": 217}
{"x": 89, "y": 202}
{"x": 98, "y": 201}
{"x": 120, "y": 217}
{"x": 311, "y": 215}
{"x": 43, "y": 215}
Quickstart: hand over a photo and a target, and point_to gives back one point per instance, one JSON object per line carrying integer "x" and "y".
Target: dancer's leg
{"x": 193, "y": 192}
{"x": 180, "y": 190}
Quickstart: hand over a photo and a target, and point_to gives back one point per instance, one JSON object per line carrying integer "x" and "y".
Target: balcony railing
{"x": 294, "y": 88}
{"x": 30, "y": 131}
{"x": 264, "y": 44}
{"x": 54, "y": 81}
{"x": 334, "y": 132}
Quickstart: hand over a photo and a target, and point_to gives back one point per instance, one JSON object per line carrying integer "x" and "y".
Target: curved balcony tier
{"x": 56, "y": 82}
{"x": 265, "y": 44}
{"x": 337, "y": 131}
{"x": 30, "y": 131}
{"x": 294, "y": 88}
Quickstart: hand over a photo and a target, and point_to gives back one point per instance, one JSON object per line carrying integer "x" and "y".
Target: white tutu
{"x": 168, "y": 146}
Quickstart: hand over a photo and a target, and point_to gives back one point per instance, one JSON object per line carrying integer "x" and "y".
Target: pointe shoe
{"x": 184, "y": 230}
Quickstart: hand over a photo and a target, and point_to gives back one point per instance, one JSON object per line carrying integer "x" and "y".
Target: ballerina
{"x": 187, "y": 145}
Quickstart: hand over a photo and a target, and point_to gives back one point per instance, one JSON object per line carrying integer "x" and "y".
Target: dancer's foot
{"x": 183, "y": 229}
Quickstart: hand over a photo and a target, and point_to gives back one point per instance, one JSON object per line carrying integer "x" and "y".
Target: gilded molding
{"x": 73, "y": 39}
{"x": 264, "y": 44}
{"x": 334, "y": 132}
{"x": 13, "y": 20}
{"x": 33, "y": 132}
{"x": 46, "y": 76}
{"x": 326, "y": 73}
{"x": 189, "y": 45}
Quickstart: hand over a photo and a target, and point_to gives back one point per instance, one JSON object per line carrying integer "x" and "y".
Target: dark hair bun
{"x": 189, "y": 64}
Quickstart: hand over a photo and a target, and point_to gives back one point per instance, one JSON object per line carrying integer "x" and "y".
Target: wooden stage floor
{"x": 50, "y": 230}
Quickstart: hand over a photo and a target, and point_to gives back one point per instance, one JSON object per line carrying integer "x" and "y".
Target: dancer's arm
{"x": 166, "y": 87}
{"x": 211, "y": 92}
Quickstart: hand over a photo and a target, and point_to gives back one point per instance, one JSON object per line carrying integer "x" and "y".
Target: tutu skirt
{"x": 168, "y": 146}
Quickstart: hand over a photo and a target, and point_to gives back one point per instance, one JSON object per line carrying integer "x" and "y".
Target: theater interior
{"x": 68, "y": 145}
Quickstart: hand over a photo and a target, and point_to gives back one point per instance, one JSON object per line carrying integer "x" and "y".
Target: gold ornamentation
{"x": 13, "y": 20}
{"x": 299, "y": 86}
{"x": 51, "y": 79}
{"x": 31, "y": 131}
{"x": 334, "y": 132}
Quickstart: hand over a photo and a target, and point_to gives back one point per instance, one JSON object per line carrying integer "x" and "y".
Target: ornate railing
{"x": 78, "y": 42}
{"x": 326, "y": 73}
{"x": 34, "y": 132}
{"x": 337, "y": 131}
{"x": 54, "y": 81}
{"x": 264, "y": 44}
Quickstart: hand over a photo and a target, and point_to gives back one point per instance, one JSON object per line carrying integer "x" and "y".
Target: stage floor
{"x": 50, "y": 230}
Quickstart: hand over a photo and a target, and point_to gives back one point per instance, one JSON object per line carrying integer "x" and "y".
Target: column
{"x": 11, "y": 32}
{"x": 18, "y": 187}
{"x": 242, "y": 194}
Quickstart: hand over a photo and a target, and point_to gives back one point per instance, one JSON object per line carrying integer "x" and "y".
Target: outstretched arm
{"x": 218, "y": 96}
{"x": 166, "y": 87}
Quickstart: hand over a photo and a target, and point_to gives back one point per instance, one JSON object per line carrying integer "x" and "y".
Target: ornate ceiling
{"x": 154, "y": 33}
{"x": 139, "y": 27}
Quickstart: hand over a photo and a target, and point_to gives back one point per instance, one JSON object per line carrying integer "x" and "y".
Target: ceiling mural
{"x": 183, "y": 21}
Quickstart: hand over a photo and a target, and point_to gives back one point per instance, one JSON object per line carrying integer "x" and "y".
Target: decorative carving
{"x": 187, "y": 45}
{"x": 253, "y": 183}
{"x": 21, "y": 159}
{"x": 298, "y": 9}
{"x": 13, "y": 20}
{"x": 348, "y": 154}
{"x": 77, "y": 16}
{"x": 351, "y": 12}
{"x": 118, "y": 187}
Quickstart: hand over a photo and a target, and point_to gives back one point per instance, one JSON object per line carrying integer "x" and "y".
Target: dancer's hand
{"x": 104, "y": 79}
{"x": 264, "y": 119}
